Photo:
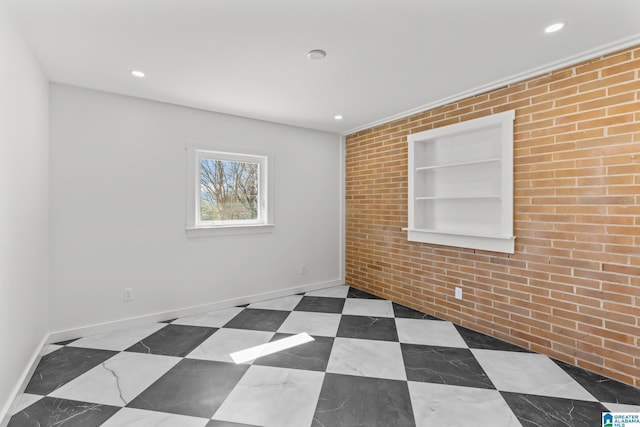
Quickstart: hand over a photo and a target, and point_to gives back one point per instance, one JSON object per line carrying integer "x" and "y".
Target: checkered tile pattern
{"x": 371, "y": 363}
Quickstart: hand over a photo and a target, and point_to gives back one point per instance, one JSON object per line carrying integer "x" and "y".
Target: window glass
{"x": 229, "y": 190}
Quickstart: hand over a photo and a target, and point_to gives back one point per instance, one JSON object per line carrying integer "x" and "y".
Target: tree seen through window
{"x": 228, "y": 190}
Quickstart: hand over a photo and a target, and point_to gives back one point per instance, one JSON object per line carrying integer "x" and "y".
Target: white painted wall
{"x": 118, "y": 210}
{"x": 24, "y": 208}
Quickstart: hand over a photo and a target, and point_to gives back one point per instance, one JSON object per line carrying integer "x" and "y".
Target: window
{"x": 230, "y": 189}
{"x": 229, "y": 192}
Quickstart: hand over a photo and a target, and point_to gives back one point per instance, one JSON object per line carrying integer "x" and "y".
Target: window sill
{"x": 229, "y": 230}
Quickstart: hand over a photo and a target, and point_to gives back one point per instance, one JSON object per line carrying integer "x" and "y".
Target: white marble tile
{"x": 456, "y": 406}
{"x": 118, "y": 380}
{"x": 267, "y": 396}
{"x": 212, "y": 319}
{"x": 51, "y": 348}
{"x": 25, "y": 400}
{"x": 117, "y": 340}
{"x": 529, "y": 373}
{"x": 429, "y": 332}
{"x": 322, "y": 324}
{"x": 226, "y": 341}
{"x": 340, "y": 291}
{"x": 367, "y": 358}
{"x": 130, "y": 417}
{"x": 619, "y": 407}
{"x": 368, "y": 307}
{"x": 287, "y": 303}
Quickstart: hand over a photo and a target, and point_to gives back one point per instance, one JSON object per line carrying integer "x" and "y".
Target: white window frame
{"x": 194, "y": 225}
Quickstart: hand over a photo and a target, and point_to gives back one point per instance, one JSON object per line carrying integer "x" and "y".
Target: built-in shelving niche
{"x": 461, "y": 184}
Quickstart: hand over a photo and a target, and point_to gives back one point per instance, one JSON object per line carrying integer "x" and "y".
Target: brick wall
{"x": 572, "y": 288}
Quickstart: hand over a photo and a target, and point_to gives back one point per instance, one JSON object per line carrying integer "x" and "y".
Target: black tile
{"x": 409, "y": 313}
{"x": 370, "y": 328}
{"x": 66, "y": 342}
{"x": 242, "y": 305}
{"x": 357, "y": 293}
{"x": 602, "y": 388}
{"x": 359, "y": 401}
{"x": 320, "y": 304}
{"x": 63, "y": 365}
{"x": 50, "y": 411}
{"x": 167, "y": 321}
{"x": 444, "y": 365}
{"x": 258, "y": 319}
{"x": 312, "y": 356}
{"x": 173, "y": 340}
{"x": 481, "y": 341}
{"x": 192, "y": 387}
{"x": 536, "y": 411}
{"x": 216, "y": 423}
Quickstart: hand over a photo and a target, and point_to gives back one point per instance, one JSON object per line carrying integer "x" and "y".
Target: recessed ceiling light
{"x": 555, "y": 27}
{"x": 338, "y": 117}
{"x": 137, "y": 73}
{"x": 316, "y": 54}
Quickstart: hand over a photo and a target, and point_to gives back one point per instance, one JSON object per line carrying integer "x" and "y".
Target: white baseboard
{"x": 7, "y": 410}
{"x": 98, "y": 328}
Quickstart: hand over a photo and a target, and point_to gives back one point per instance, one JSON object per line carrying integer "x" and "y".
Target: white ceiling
{"x": 248, "y": 57}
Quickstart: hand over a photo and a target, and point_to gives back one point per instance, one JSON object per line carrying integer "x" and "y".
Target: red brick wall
{"x": 572, "y": 288}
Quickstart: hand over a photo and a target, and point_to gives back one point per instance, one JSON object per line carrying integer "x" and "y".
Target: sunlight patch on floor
{"x": 253, "y": 353}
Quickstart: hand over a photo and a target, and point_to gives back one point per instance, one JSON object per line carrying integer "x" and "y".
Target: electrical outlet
{"x": 128, "y": 294}
{"x": 458, "y": 294}
{"x": 303, "y": 269}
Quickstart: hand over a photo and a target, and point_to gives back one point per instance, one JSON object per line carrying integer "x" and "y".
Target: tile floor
{"x": 372, "y": 363}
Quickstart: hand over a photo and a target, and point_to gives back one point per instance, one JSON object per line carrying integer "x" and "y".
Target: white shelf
{"x": 453, "y": 165}
{"x": 461, "y": 184}
{"x": 457, "y": 233}
{"x": 472, "y": 241}
{"x": 488, "y": 196}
